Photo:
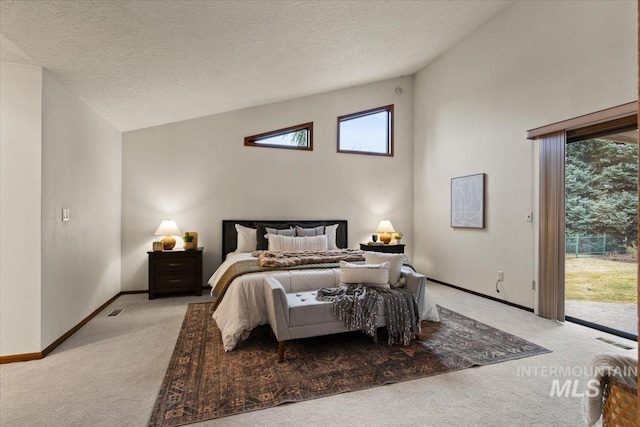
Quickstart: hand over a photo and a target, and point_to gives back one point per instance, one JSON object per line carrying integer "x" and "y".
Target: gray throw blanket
{"x": 358, "y": 306}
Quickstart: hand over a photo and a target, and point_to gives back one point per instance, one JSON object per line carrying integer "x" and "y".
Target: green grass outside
{"x": 594, "y": 279}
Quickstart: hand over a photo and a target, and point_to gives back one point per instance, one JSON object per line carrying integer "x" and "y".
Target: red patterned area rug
{"x": 203, "y": 382}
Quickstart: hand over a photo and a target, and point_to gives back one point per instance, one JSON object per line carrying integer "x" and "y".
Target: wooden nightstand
{"x": 175, "y": 271}
{"x": 388, "y": 249}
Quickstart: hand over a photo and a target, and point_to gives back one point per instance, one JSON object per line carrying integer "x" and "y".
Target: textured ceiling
{"x": 144, "y": 63}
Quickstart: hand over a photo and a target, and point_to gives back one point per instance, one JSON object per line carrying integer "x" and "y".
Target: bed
{"x": 237, "y": 285}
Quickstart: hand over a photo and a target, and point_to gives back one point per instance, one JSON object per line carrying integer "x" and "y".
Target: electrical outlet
{"x": 66, "y": 214}
{"x": 528, "y": 216}
{"x": 501, "y": 275}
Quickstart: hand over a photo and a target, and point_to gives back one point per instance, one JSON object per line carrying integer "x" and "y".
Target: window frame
{"x": 389, "y": 109}
{"x": 250, "y": 141}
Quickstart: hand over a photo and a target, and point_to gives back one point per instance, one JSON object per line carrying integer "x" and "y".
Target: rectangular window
{"x": 367, "y": 132}
{"x": 298, "y": 137}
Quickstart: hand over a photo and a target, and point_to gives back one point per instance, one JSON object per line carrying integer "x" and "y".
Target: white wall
{"x": 198, "y": 172}
{"x": 81, "y": 171}
{"x": 534, "y": 64}
{"x": 20, "y": 221}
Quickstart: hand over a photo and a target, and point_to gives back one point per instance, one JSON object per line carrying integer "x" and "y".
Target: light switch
{"x": 66, "y": 214}
{"x": 528, "y": 216}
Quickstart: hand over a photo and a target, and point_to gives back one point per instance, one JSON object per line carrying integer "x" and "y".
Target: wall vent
{"x": 115, "y": 312}
{"x": 617, "y": 344}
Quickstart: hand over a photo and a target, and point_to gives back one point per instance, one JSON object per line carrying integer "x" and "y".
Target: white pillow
{"x": 330, "y": 231}
{"x": 395, "y": 264}
{"x": 247, "y": 238}
{"x": 286, "y": 243}
{"x": 368, "y": 274}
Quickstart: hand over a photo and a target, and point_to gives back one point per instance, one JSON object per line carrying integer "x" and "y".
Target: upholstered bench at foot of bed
{"x": 298, "y": 315}
{"x": 294, "y": 312}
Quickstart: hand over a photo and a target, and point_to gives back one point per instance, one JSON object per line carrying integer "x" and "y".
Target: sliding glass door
{"x": 601, "y": 226}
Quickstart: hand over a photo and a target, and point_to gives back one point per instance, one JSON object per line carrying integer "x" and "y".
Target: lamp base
{"x": 385, "y": 238}
{"x": 169, "y": 242}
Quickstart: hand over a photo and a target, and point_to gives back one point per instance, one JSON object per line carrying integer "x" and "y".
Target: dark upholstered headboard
{"x": 230, "y": 236}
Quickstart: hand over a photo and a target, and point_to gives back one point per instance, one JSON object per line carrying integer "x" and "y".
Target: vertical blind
{"x": 552, "y": 225}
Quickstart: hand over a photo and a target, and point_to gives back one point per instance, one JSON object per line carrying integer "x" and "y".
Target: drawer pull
{"x": 175, "y": 281}
{"x": 175, "y": 264}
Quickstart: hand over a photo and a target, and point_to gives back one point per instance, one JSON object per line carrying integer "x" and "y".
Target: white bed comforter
{"x": 244, "y": 306}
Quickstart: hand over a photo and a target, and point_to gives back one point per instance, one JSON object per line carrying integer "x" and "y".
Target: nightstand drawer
{"x": 175, "y": 281}
{"x": 167, "y": 264}
{"x": 175, "y": 271}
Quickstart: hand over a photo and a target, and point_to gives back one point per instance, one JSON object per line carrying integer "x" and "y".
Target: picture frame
{"x": 467, "y": 201}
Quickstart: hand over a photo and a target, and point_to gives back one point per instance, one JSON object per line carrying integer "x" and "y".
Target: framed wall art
{"x": 467, "y": 201}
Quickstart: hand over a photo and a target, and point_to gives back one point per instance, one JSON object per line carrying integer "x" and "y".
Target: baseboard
{"x": 39, "y": 355}
{"x": 521, "y": 307}
{"x": 25, "y": 357}
{"x": 35, "y": 356}
{"x": 586, "y": 323}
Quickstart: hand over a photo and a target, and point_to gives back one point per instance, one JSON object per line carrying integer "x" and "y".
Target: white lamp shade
{"x": 385, "y": 227}
{"x": 168, "y": 228}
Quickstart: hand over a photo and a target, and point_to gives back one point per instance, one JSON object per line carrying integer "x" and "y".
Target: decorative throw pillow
{"x": 286, "y": 243}
{"x": 368, "y": 274}
{"x": 261, "y": 242}
{"x": 330, "y": 231}
{"x": 310, "y": 243}
{"x": 395, "y": 264}
{"x": 313, "y": 231}
{"x": 286, "y": 232}
{"x": 246, "y": 238}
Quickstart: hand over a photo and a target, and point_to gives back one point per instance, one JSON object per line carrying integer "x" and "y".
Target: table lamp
{"x": 168, "y": 228}
{"x": 385, "y": 228}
